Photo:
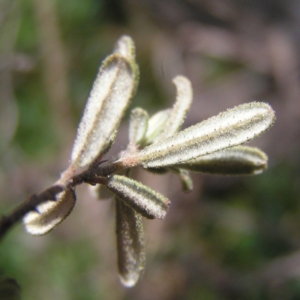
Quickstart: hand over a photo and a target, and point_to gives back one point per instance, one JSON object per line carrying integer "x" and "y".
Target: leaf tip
{"x": 130, "y": 281}
{"x": 125, "y": 47}
{"x": 49, "y": 213}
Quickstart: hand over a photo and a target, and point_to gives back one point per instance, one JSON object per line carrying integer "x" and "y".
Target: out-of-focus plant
{"x": 155, "y": 143}
{"x": 9, "y": 289}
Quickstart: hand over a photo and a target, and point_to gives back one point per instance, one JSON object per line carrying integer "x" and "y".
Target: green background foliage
{"x": 231, "y": 238}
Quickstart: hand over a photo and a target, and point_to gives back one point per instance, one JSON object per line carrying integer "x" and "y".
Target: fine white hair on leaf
{"x": 180, "y": 108}
{"x": 130, "y": 244}
{"x": 186, "y": 180}
{"x": 125, "y": 47}
{"x": 108, "y": 100}
{"x": 50, "y": 213}
{"x": 238, "y": 160}
{"x": 156, "y": 125}
{"x": 137, "y": 126}
{"x": 106, "y": 105}
{"x": 144, "y": 200}
{"x": 230, "y": 128}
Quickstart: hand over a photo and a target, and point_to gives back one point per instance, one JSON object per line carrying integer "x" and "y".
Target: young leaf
{"x": 50, "y": 213}
{"x": 108, "y": 100}
{"x": 144, "y": 200}
{"x": 125, "y": 47}
{"x": 130, "y": 244}
{"x": 156, "y": 125}
{"x": 230, "y": 128}
{"x": 239, "y": 160}
{"x": 180, "y": 108}
{"x": 137, "y": 126}
{"x": 186, "y": 180}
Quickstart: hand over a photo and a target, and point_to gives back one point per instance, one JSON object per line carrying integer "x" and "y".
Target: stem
{"x": 7, "y": 222}
{"x": 94, "y": 175}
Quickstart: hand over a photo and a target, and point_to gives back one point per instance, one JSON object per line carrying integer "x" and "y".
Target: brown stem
{"x": 7, "y": 222}
{"x": 94, "y": 175}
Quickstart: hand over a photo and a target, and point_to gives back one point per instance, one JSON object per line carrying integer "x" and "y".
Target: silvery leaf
{"x": 109, "y": 98}
{"x": 186, "y": 180}
{"x": 130, "y": 244}
{"x": 137, "y": 126}
{"x": 156, "y": 126}
{"x": 230, "y": 128}
{"x": 144, "y": 200}
{"x": 239, "y": 160}
{"x": 50, "y": 213}
{"x": 125, "y": 47}
{"x": 180, "y": 108}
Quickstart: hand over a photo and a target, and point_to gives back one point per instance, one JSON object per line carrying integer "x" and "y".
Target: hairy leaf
{"x": 108, "y": 100}
{"x": 144, "y": 200}
{"x": 50, "y": 213}
{"x": 239, "y": 160}
{"x": 125, "y": 47}
{"x": 130, "y": 244}
{"x": 180, "y": 108}
{"x": 230, "y": 128}
{"x": 138, "y": 126}
{"x": 156, "y": 126}
{"x": 186, "y": 180}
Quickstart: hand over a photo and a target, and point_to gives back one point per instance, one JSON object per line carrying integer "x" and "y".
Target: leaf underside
{"x": 238, "y": 160}
{"x": 130, "y": 244}
{"x": 144, "y": 200}
{"x": 230, "y": 128}
{"x": 50, "y": 213}
{"x": 108, "y": 100}
{"x": 137, "y": 127}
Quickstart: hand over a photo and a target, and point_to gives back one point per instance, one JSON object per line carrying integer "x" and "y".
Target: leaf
{"x": 156, "y": 125}
{"x": 138, "y": 126}
{"x": 186, "y": 180}
{"x": 125, "y": 47}
{"x": 239, "y": 160}
{"x": 144, "y": 200}
{"x": 230, "y": 128}
{"x": 130, "y": 244}
{"x": 180, "y": 108}
{"x": 50, "y": 213}
{"x": 109, "y": 98}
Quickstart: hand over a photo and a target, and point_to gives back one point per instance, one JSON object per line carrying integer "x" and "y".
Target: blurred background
{"x": 232, "y": 237}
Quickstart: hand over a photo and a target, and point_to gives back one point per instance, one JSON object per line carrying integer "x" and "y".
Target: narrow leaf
{"x": 130, "y": 244}
{"x": 186, "y": 180}
{"x": 108, "y": 100}
{"x": 230, "y": 128}
{"x": 137, "y": 126}
{"x": 180, "y": 108}
{"x": 144, "y": 200}
{"x": 125, "y": 47}
{"x": 239, "y": 160}
{"x": 50, "y": 213}
{"x": 156, "y": 125}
